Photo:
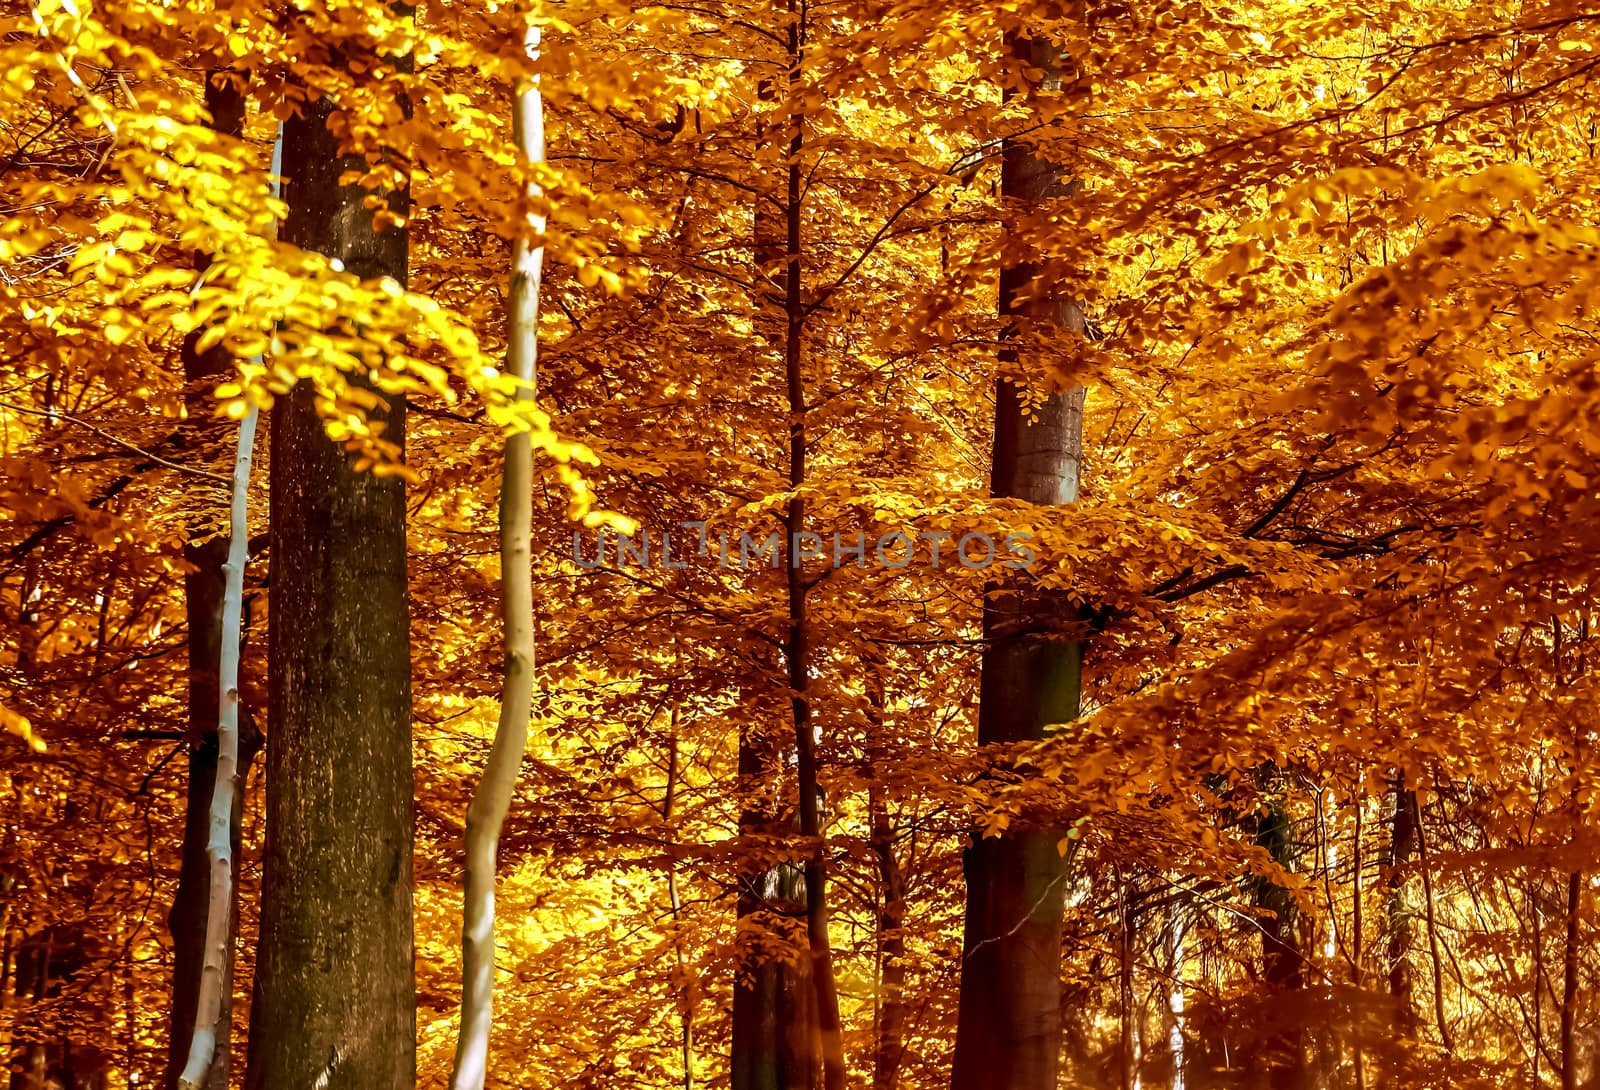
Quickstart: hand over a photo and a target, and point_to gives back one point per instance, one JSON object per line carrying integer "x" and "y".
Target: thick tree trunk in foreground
{"x": 335, "y": 1003}
{"x": 492, "y": 798}
{"x": 203, "y": 597}
{"x": 1008, "y": 1034}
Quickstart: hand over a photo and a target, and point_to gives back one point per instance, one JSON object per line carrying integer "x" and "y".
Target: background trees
{"x": 1324, "y": 816}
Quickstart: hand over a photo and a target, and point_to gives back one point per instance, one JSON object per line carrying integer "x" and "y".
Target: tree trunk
{"x": 762, "y": 1043}
{"x": 216, "y": 977}
{"x": 492, "y": 799}
{"x": 806, "y": 1018}
{"x": 203, "y": 598}
{"x": 1402, "y": 909}
{"x": 335, "y": 1003}
{"x": 1569, "y": 984}
{"x": 889, "y": 1006}
{"x": 675, "y": 906}
{"x": 1433, "y": 931}
{"x": 1008, "y": 1034}
{"x": 889, "y": 1045}
{"x": 1173, "y": 1023}
{"x": 797, "y": 647}
{"x": 1357, "y": 935}
{"x": 1283, "y": 962}
{"x": 1128, "y": 1016}
{"x": 754, "y": 1059}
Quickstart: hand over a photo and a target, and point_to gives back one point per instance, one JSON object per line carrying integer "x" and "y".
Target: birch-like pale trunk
{"x": 1175, "y": 1027}
{"x": 219, "y": 850}
{"x": 492, "y": 798}
{"x": 203, "y": 592}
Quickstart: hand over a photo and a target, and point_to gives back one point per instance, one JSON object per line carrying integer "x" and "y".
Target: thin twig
{"x": 123, "y": 443}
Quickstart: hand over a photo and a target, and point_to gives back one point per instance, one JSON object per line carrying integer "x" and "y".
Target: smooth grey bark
{"x": 1008, "y": 1034}
{"x": 335, "y": 1003}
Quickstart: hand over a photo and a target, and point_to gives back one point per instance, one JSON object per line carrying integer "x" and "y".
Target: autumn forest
{"x": 810, "y": 545}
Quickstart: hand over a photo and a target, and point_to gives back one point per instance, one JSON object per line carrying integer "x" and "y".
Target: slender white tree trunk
{"x": 219, "y": 849}
{"x": 1175, "y": 995}
{"x": 492, "y": 798}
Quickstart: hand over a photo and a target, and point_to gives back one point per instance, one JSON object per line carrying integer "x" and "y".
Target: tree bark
{"x": 203, "y": 590}
{"x": 763, "y": 1037}
{"x": 492, "y": 799}
{"x": 216, "y": 972}
{"x": 1008, "y": 1034}
{"x": 889, "y": 1007}
{"x": 889, "y": 1044}
{"x": 807, "y": 1018}
{"x": 1433, "y": 931}
{"x": 797, "y": 648}
{"x": 1127, "y": 1050}
{"x": 335, "y": 1003}
{"x": 1174, "y": 1024}
{"x": 1283, "y": 962}
{"x": 675, "y": 906}
{"x": 755, "y": 1062}
{"x": 1569, "y": 984}
{"x": 1401, "y": 908}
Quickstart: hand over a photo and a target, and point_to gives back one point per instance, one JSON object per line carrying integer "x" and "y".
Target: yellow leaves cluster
{"x": 16, "y": 723}
{"x": 178, "y": 188}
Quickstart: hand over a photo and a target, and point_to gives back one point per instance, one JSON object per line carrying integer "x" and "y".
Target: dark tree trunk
{"x": 797, "y": 648}
{"x": 1405, "y": 907}
{"x": 1283, "y": 1057}
{"x": 203, "y": 595}
{"x": 888, "y": 1047}
{"x": 1402, "y": 909}
{"x": 1569, "y": 983}
{"x": 1008, "y": 1034}
{"x": 786, "y": 1027}
{"x": 889, "y": 1044}
{"x": 335, "y": 1002}
{"x": 763, "y": 1040}
{"x": 765, "y": 1036}
{"x": 1129, "y": 1016}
